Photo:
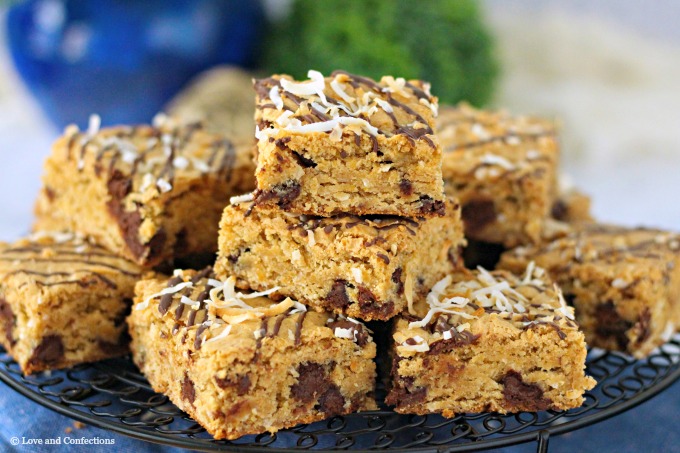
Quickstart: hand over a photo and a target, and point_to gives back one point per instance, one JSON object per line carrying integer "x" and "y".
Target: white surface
{"x": 611, "y": 72}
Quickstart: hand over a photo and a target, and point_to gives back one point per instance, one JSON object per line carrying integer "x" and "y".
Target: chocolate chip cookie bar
{"x": 243, "y": 364}
{"x": 149, "y": 193}
{"x": 346, "y": 143}
{"x": 368, "y": 267}
{"x": 623, "y": 282}
{"x": 503, "y": 171}
{"x": 489, "y": 341}
{"x": 63, "y": 301}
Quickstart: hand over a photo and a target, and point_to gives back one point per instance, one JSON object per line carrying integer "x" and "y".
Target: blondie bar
{"x": 348, "y": 144}
{"x": 149, "y": 193}
{"x": 623, "y": 282}
{"x": 243, "y": 364}
{"x": 503, "y": 171}
{"x": 368, "y": 267}
{"x": 63, "y": 301}
{"x": 489, "y": 341}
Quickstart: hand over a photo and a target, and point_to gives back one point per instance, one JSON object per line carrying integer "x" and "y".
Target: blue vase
{"x": 124, "y": 59}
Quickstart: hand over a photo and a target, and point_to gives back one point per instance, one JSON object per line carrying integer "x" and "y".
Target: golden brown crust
{"x": 244, "y": 366}
{"x": 149, "y": 193}
{"x": 348, "y": 144}
{"x": 62, "y": 301}
{"x": 489, "y": 342}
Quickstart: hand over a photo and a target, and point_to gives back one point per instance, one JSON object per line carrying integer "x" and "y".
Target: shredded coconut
{"x": 276, "y": 97}
{"x": 620, "y": 283}
{"x": 94, "y": 124}
{"x": 163, "y": 185}
{"x": 242, "y": 199}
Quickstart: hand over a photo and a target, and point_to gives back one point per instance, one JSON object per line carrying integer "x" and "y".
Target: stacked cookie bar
{"x": 349, "y": 213}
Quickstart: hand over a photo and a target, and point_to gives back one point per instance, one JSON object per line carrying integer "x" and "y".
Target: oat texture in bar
{"x": 489, "y": 342}
{"x": 623, "y": 282}
{"x": 503, "y": 170}
{"x": 346, "y": 143}
{"x": 368, "y": 267}
{"x": 244, "y": 364}
{"x": 63, "y": 301}
{"x": 149, "y": 193}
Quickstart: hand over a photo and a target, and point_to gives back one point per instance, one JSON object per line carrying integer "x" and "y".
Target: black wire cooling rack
{"x": 113, "y": 395}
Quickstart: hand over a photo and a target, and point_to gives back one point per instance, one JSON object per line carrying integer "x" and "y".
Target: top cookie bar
{"x": 348, "y": 144}
{"x": 148, "y": 193}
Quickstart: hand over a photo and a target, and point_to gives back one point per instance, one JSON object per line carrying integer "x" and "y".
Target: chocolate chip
{"x": 405, "y": 187}
{"x": 370, "y": 305}
{"x": 119, "y": 187}
{"x": 521, "y": 396}
{"x": 337, "y": 296}
{"x": 611, "y": 325}
{"x": 643, "y": 326}
{"x": 312, "y": 382}
{"x": 404, "y": 392}
{"x": 303, "y": 161}
{"x": 7, "y": 320}
{"x": 457, "y": 340}
{"x": 396, "y": 278}
{"x": 284, "y": 194}
{"x": 49, "y": 193}
{"x": 49, "y": 352}
{"x": 282, "y": 143}
{"x": 332, "y": 402}
{"x": 430, "y": 206}
{"x": 240, "y": 382}
{"x": 188, "y": 390}
{"x": 358, "y": 331}
{"x": 478, "y": 213}
{"x": 559, "y": 210}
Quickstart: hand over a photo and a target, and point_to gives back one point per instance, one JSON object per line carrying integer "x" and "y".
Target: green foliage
{"x": 442, "y": 41}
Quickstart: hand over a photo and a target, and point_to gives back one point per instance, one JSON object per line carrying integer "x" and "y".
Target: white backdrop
{"x": 610, "y": 70}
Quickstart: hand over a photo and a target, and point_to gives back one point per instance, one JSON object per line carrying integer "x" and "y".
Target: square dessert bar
{"x": 503, "y": 171}
{"x": 243, "y": 364}
{"x": 348, "y": 144}
{"x": 63, "y": 301}
{"x": 623, "y": 282}
{"x": 149, "y": 193}
{"x": 489, "y": 341}
{"x": 368, "y": 267}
